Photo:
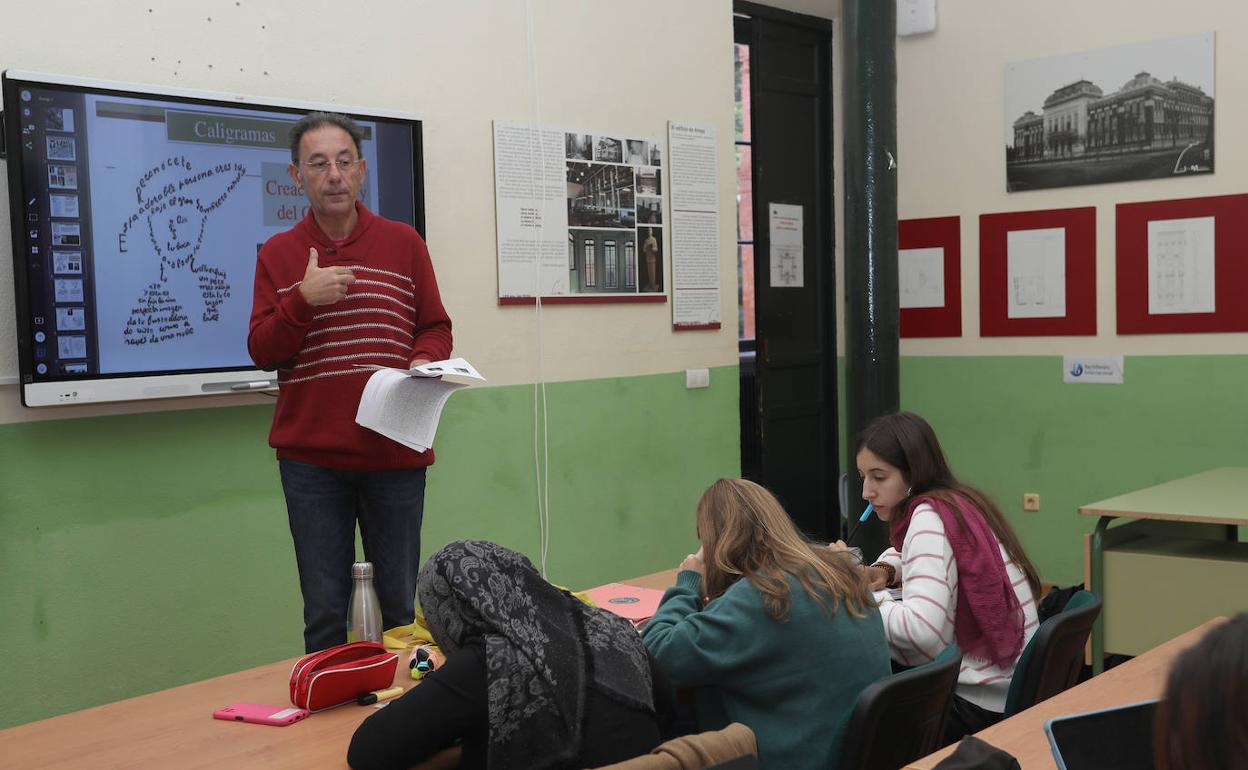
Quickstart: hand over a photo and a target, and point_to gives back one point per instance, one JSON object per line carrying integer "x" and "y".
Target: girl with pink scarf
{"x": 963, "y": 575}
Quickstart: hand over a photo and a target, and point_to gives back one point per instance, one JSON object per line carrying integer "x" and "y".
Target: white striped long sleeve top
{"x": 921, "y": 623}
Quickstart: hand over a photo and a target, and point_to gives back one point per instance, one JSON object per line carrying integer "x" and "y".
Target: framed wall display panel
{"x": 929, "y": 271}
{"x": 1037, "y": 273}
{"x": 580, "y": 216}
{"x": 1182, "y": 265}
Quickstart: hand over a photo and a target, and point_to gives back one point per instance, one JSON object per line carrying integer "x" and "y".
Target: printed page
{"x": 921, "y": 277}
{"x": 530, "y": 189}
{"x": 457, "y": 367}
{"x": 405, "y": 409}
{"x": 695, "y": 226}
{"x": 788, "y": 264}
{"x": 1181, "y": 266}
{"x": 1036, "y": 270}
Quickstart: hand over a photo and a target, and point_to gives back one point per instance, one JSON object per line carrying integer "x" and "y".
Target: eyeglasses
{"x": 319, "y": 167}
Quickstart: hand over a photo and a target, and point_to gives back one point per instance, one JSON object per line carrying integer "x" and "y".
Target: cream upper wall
{"x": 950, "y": 115}
{"x": 460, "y": 65}
{"x": 951, "y": 162}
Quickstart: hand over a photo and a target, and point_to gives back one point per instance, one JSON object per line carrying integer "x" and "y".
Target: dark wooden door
{"x": 795, "y": 337}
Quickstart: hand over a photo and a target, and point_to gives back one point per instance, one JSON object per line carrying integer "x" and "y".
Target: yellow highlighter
{"x": 379, "y": 695}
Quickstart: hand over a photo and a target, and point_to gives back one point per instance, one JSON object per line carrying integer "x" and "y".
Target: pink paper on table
{"x": 627, "y": 601}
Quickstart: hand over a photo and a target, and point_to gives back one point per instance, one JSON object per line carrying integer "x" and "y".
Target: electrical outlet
{"x": 697, "y": 378}
{"x": 1031, "y": 501}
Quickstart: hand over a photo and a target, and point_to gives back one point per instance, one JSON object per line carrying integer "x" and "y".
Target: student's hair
{"x": 315, "y": 120}
{"x": 1201, "y": 723}
{"x": 905, "y": 441}
{"x": 746, "y": 533}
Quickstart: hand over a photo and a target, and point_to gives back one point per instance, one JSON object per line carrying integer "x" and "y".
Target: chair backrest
{"x": 901, "y": 718}
{"x": 732, "y": 748}
{"x": 743, "y": 762}
{"x": 1052, "y": 659}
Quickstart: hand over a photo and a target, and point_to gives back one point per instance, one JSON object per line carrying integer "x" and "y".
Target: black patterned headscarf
{"x": 543, "y": 650}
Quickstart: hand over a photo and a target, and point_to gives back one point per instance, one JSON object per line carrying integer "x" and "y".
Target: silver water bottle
{"x": 364, "y": 614}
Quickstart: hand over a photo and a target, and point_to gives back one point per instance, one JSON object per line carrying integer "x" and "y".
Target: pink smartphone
{"x": 260, "y": 715}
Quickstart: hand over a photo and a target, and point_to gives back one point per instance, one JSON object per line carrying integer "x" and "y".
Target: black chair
{"x": 901, "y": 718}
{"x": 1052, "y": 659}
{"x": 744, "y": 762}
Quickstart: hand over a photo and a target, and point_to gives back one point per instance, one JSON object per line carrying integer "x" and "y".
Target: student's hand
{"x": 694, "y": 562}
{"x": 877, "y": 577}
{"x": 839, "y": 545}
{"x": 324, "y": 285}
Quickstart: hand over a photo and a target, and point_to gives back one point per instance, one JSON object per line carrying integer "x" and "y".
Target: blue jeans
{"x": 324, "y": 505}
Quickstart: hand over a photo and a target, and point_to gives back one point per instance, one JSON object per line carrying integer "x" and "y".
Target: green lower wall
{"x": 144, "y": 551}
{"x": 140, "y": 552}
{"x": 1009, "y": 425}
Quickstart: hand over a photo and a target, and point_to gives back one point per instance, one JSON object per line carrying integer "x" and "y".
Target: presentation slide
{"x": 181, "y": 199}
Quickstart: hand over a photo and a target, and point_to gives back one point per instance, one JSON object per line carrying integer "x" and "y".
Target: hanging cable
{"x": 541, "y": 434}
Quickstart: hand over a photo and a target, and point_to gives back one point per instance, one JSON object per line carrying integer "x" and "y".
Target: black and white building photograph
{"x": 648, "y": 181}
{"x": 649, "y": 211}
{"x": 579, "y": 146}
{"x": 1140, "y": 111}
{"x": 600, "y": 195}
{"x": 602, "y": 261}
{"x": 609, "y": 150}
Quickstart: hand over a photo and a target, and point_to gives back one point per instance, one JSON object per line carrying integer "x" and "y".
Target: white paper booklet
{"x": 454, "y": 366}
{"x": 405, "y": 405}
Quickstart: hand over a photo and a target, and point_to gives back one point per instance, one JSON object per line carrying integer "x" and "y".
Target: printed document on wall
{"x": 532, "y": 218}
{"x": 1181, "y": 275}
{"x": 921, "y": 277}
{"x": 788, "y": 265}
{"x": 578, "y": 213}
{"x": 1036, "y": 273}
{"x": 695, "y": 227}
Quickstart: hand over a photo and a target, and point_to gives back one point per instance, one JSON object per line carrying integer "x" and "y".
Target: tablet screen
{"x": 1113, "y": 739}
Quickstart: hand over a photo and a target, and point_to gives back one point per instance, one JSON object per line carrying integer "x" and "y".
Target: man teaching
{"x": 344, "y": 287}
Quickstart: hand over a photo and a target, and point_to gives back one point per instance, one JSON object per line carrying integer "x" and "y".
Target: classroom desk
{"x": 1176, "y": 563}
{"x": 1140, "y": 678}
{"x": 175, "y": 728}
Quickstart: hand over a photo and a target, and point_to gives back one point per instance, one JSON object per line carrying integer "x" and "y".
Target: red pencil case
{"x": 340, "y": 674}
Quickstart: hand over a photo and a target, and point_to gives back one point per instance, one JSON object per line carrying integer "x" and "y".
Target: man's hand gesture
{"x": 324, "y": 285}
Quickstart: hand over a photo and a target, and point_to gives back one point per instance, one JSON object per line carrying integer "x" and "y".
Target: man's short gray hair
{"x": 314, "y": 120}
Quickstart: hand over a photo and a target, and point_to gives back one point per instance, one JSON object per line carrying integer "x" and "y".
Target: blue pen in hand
{"x": 865, "y": 515}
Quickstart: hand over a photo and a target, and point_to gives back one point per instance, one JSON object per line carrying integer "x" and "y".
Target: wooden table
{"x": 1138, "y": 679}
{"x": 1175, "y": 561}
{"x": 175, "y": 728}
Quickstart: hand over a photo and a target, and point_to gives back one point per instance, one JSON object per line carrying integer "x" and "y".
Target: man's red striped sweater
{"x": 391, "y": 316}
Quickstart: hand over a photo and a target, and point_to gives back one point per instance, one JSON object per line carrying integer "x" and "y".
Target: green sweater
{"x": 792, "y": 683}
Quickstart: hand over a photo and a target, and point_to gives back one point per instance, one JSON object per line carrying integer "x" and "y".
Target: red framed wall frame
{"x": 1230, "y": 236}
{"x": 1080, "y": 318}
{"x": 944, "y": 233}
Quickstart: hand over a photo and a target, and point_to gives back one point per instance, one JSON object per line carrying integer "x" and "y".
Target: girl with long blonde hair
{"x": 768, "y": 628}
